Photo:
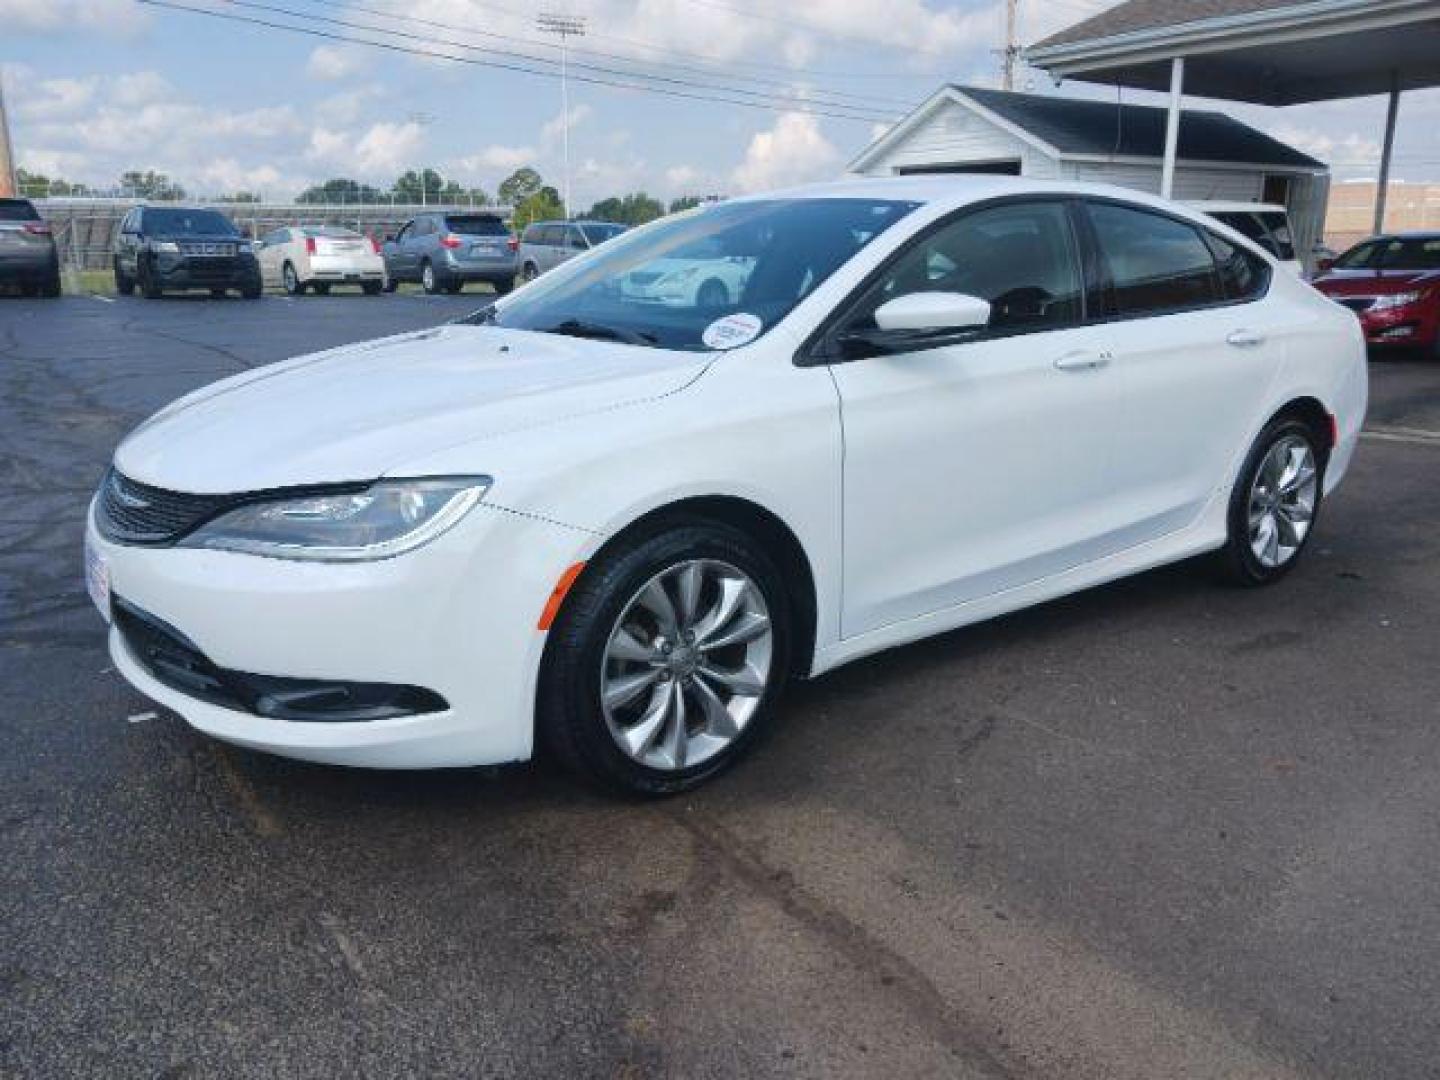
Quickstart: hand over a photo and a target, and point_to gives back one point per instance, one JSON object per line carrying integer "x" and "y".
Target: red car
{"x": 1393, "y": 284}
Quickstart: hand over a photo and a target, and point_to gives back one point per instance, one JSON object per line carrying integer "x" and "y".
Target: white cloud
{"x": 554, "y": 128}
{"x": 53, "y": 99}
{"x": 496, "y": 158}
{"x": 140, "y": 88}
{"x": 330, "y": 63}
{"x": 120, "y": 17}
{"x": 793, "y": 151}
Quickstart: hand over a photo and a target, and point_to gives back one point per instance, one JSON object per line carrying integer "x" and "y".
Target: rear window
{"x": 165, "y": 221}
{"x": 599, "y": 233}
{"x": 329, "y": 232}
{"x": 476, "y": 225}
{"x": 17, "y": 210}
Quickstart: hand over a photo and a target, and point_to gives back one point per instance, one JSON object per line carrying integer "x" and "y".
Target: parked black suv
{"x": 172, "y": 247}
{"x": 27, "y": 250}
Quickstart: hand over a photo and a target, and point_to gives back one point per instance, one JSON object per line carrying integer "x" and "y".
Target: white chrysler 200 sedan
{"x": 620, "y": 527}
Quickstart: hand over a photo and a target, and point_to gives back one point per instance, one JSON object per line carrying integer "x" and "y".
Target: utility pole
{"x": 9, "y": 187}
{"x": 566, "y": 26}
{"x": 1012, "y": 45}
{"x": 422, "y": 120}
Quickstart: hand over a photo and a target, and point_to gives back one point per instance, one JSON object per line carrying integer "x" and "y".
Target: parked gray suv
{"x": 27, "y": 250}
{"x": 443, "y": 251}
{"x": 547, "y": 244}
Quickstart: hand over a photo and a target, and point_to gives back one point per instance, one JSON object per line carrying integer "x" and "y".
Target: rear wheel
{"x": 322, "y": 288}
{"x": 529, "y": 272}
{"x": 667, "y": 660}
{"x": 503, "y": 285}
{"x": 391, "y": 284}
{"x": 1274, "y": 504}
{"x": 371, "y": 288}
{"x": 429, "y": 281}
{"x": 291, "y": 281}
{"x": 50, "y": 285}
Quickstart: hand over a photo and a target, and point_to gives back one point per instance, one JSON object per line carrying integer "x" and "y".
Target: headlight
{"x": 165, "y": 247}
{"x": 1394, "y": 300}
{"x": 388, "y": 518}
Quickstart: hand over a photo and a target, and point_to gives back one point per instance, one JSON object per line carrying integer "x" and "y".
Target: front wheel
{"x": 428, "y": 279}
{"x": 667, "y": 660}
{"x": 124, "y": 284}
{"x": 291, "y": 281}
{"x": 1274, "y": 503}
{"x": 149, "y": 287}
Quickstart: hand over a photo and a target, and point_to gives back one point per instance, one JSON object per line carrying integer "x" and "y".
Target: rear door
{"x": 1192, "y": 358}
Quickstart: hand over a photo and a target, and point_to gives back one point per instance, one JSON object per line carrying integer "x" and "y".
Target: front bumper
{"x": 206, "y": 271}
{"x": 456, "y": 617}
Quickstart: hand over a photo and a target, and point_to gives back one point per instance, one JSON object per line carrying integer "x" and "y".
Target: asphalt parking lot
{"x": 1162, "y": 829}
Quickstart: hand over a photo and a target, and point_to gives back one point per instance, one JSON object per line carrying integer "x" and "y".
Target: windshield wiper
{"x": 601, "y": 332}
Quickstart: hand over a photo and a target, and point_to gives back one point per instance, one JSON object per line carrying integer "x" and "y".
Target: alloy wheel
{"x": 1282, "y": 501}
{"x": 686, "y": 664}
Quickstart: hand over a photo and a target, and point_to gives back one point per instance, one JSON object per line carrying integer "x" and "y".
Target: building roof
{"x": 1136, "y": 15}
{"x": 1074, "y": 126}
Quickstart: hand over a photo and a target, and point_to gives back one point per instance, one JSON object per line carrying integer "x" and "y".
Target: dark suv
{"x": 443, "y": 251}
{"x": 171, "y": 247}
{"x": 27, "y": 250}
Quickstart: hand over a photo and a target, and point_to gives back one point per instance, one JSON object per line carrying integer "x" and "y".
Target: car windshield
{"x": 17, "y": 210}
{"x": 599, "y": 232}
{"x": 476, "y": 225}
{"x": 767, "y": 254}
{"x": 188, "y": 223}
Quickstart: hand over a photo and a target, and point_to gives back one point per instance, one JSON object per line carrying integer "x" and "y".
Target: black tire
{"x": 253, "y": 288}
{"x": 529, "y": 272}
{"x": 290, "y": 281}
{"x": 391, "y": 283}
{"x": 28, "y": 288}
{"x": 50, "y": 286}
{"x": 217, "y": 294}
{"x": 502, "y": 285}
{"x": 455, "y": 286}
{"x": 569, "y": 717}
{"x": 124, "y": 284}
{"x": 149, "y": 287}
{"x": 371, "y": 288}
{"x": 322, "y": 288}
{"x": 1237, "y": 561}
{"x": 712, "y": 294}
{"x": 429, "y": 279}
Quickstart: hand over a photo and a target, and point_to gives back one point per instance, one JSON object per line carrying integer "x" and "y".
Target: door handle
{"x": 1245, "y": 339}
{"x": 1083, "y": 360}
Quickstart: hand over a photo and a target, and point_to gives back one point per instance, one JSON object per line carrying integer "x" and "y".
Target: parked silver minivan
{"x": 546, "y": 244}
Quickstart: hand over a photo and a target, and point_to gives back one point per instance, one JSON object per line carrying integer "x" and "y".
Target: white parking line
{"x": 1413, "y": 436}
{"x": 102, "y": 299}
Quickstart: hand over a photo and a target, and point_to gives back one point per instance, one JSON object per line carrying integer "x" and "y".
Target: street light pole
{"x": 422, "y": 120}
{"x": 566, "y": 27}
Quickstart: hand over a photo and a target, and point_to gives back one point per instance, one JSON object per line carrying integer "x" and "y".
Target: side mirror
{"x": 933, "y": 311}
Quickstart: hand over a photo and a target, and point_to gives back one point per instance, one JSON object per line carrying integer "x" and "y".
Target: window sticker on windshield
{"x": 732, "y": 331}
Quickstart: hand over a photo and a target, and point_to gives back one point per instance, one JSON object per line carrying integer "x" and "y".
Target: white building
{"x": 965, "y": 129}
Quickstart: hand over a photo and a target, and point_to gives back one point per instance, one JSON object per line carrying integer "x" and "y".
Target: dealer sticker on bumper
{"x": 97, "y": 579}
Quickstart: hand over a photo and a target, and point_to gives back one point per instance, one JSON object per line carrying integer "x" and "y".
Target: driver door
{"x": 978, "y": 467}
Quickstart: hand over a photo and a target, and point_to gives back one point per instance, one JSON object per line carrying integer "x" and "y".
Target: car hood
{"x": 1373, "y": 282}
{"x": 362, "y": 411}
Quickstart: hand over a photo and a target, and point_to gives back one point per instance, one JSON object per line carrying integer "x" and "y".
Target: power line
{"x": 722, "y": 69}
{"x": 510, "y": 56}
{"x": 774, "y": 104}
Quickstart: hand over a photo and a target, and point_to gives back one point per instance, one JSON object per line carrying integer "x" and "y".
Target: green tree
{"x": 341, "y": 189}
{"x": 542, "y": 205}
{"x": 413, "y": 187}
{"x": 634, "y": 209}
{"x": 39, "y": 186}
{"x": 685, "y": 202}
{"x": 520, "y": 185}
{"x": 239, "y": 197}
{"x": 150, "y": 185}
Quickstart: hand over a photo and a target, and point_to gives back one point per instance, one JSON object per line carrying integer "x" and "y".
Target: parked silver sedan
{"x": 317, "y": 257}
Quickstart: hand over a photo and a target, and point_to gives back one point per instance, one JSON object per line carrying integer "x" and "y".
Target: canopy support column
{"x": 1172, "y": 126}
{"x": 1382, "y": 189}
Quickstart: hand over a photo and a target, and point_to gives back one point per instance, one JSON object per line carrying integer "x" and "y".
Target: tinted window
{"x": 550, "y": 235}
{"x": 166, "y": 222}
{"x": 17, "y": 210}
{"x": 1361, "y": 256}
{"x": 1021, "y": 258}
{"x": 1156, "y": 263}
{"x": 774, "y": 252}
{"x": 330, "y": 232}
{"x": 597, "y": 232}
{"x": 1414, "y": 254}
{"x": 1243, "y": 276}
{"x": 574, "y": 239}
{"x": 476, "y": 225}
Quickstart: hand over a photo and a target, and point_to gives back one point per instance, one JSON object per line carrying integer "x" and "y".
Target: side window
{"x": 1020, "y": 257}
{"x": 574, "y": 239}
{"x": 1156, "y": 263}
{"x": 548, "y": 236}
{"x": 1242, "y": 275}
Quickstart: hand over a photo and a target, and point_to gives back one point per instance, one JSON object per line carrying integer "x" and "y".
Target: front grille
{"x": 207, "y": 269}
{"x": 129, "y": 512}
{"x": 198, "y": 247}
{"x": 1358, "y": 303}
{"x": 177, "y": 662}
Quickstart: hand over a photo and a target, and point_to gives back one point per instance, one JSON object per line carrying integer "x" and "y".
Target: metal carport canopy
{"x": 1269, "y": 52}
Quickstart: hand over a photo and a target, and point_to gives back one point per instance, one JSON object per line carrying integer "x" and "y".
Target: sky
{"x": 96, "y": 87}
